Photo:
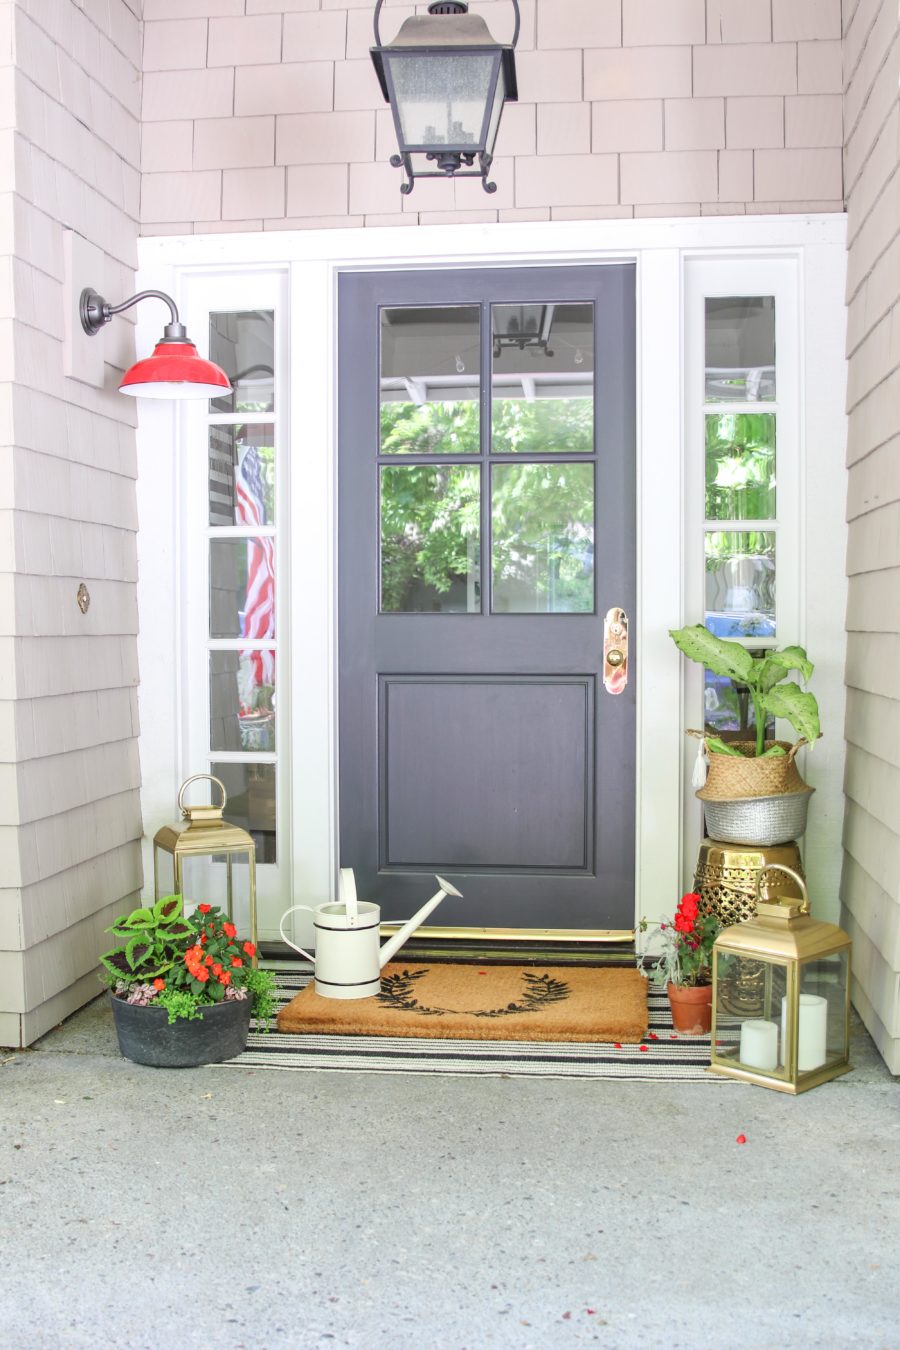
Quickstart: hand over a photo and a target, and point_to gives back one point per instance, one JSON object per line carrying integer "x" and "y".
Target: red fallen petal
{"x": 618, "y": 1045}
{"x": 643, "y": 1049}
{"x": 741, "y": 1139}
{"x": 653, "y": 1036}
{"x": 482, "y": 972}
{"x": 673, "y": 1038}
{"x": 590, "y": 1311}
{"x": 566, "y": 1316}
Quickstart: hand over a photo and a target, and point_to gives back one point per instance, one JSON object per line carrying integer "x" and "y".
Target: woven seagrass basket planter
{"x": 731, "y": 778}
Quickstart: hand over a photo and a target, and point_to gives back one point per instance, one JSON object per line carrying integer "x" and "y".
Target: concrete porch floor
{"x": 142, "y": 1208}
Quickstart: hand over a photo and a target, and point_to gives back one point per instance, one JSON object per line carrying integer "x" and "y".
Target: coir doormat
{"x": 482, "y": 1003}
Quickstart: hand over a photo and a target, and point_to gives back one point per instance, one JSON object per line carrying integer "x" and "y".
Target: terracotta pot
{"x": 691, "y": 1008}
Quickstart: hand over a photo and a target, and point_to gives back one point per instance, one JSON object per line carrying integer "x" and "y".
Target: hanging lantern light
{"x": 446, "y": 80}
{"x": 781, "y": 996}
{"x": 175, "y": 370}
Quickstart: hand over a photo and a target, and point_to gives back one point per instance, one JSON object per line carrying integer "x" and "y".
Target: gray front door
{"x": 486, "y": 527}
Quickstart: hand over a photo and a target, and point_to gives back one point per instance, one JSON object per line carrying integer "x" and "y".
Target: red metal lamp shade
{"x": 174, "y": 370}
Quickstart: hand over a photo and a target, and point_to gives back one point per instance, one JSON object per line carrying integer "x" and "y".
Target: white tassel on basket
{"x": 698, "y": 777}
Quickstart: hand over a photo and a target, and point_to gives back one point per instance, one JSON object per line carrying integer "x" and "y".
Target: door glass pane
{"x": 543, "y": 538}
{"x": 242, "y": 588}
{"x": 542, "y": 379}
{"x": 243, "y": 344}
{"x": 242, "y": 700}
{"x": 430, "y": 386}
{"x": 251, "y": 802}
{"x": 242, "y": 474}
{"x": 740, "y": 466}
{"x": 740, "y": 583}
{"x": 430, "y": 539}
{"x": 740, "y": 349}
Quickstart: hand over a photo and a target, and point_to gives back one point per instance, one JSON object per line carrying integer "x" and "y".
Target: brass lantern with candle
{"x": 796, "y": 1035}
{"x": 203, "y": 832}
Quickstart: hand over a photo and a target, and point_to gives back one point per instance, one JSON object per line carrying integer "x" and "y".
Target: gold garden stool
{"x": 726, "y": 877}
{"x": 203, "y": 832}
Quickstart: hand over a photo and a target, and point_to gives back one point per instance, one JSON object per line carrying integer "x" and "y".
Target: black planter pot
{"x": 147, "y": 1037}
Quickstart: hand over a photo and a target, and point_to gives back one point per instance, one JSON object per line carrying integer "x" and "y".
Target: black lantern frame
{"x": 453, "y": 159}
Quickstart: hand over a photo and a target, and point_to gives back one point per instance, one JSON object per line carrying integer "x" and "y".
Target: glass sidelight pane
{"x": 242, "y": 700}
{"x": 430, "y": 539}
{"x": 242, "y": 474}
{"x": 740, "y": 466}
{"x": 542, "y": 379}
{"x": 251, "y": 802}
{"x": 430, "y": 385}
{"x": 740, "y": 583}
{"x": 242, "y": 588}
{"x": 243, "y": 344}
{"x": 740, "y": 349}
{"x": 543, "y": 538}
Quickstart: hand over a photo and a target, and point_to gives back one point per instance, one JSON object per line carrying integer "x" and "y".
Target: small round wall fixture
{"x": 446, "y": 80}
{"x": 175, "y": 370}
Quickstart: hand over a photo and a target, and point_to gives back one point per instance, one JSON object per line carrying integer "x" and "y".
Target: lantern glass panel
{"x": 496, "y": 110}
{"x": 441, "y": 99}
{"x": 750, "y": 993}
{"x": 822, "y": 1036}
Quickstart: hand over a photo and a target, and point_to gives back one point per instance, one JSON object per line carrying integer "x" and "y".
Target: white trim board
{"x": 812, "y": 246}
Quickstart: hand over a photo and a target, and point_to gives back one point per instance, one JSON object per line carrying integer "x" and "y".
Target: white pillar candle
{"x": 759, "y": 1044}
{"x": 812, "y": 1037}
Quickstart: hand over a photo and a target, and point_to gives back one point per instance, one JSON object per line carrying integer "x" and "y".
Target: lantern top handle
{"x": 780, "y": 867}
{"x": 186, "y": 810}
{"x": 449, "y": 7}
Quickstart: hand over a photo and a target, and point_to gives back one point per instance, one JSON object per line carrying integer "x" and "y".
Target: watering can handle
{"x": 285, "y": 936}
{"x": 347, "y": 883}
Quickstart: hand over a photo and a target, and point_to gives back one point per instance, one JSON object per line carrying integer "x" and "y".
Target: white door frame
{"x": 666, "y": 524}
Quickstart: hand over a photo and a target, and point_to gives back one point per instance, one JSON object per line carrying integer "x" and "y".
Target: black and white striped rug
{"x": 662, "y": 1055}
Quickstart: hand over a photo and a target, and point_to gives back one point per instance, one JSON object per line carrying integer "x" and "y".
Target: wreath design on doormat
{"x": 398, "y": 991}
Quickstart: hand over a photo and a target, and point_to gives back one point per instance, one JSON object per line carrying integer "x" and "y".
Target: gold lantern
{"x": 206, "y": 833}
{"x": 799, "y": 1032}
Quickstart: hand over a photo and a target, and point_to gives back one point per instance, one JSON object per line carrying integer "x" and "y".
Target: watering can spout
{"x": 393, "y": 945}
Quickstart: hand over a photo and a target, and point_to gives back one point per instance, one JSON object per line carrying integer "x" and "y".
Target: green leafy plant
{"x": 684, "y": 955}
{"x": 167, "y": 960}
{"x": 765, "y": 677}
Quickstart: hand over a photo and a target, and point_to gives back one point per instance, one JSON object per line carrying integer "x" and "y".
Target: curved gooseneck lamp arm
{"x": 95, "y": 312}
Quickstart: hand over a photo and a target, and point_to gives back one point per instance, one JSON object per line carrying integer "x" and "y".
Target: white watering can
{"x": 348, "y": 959}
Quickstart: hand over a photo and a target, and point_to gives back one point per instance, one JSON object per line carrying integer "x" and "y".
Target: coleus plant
{"x": 150, "y": 941}
{"x": 765, "y": 677}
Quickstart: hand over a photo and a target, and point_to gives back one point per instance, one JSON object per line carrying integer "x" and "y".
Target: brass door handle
{"x": 615, "y": 651}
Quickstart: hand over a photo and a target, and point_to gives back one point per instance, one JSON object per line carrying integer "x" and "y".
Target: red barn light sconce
{"x": 446, "y": 80}
{"x": 175, "y": 370}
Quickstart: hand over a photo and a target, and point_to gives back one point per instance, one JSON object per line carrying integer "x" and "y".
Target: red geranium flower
{"x": 690, "y": 904}
{"x": 204, "y": 909}
{"x": 683, "y": 924}
{"x": 229, "y": 929}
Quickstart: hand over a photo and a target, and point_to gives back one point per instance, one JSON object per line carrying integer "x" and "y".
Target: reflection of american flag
{"x": 259, "y": 606}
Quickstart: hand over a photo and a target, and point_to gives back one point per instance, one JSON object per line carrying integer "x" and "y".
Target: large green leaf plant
{"x": 764, "y": 675}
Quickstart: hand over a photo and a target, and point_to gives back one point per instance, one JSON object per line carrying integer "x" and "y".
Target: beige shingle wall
{"x": 871, "y": 880}
{"x": 266, "y": 114}
{"x": 69, "y": 774}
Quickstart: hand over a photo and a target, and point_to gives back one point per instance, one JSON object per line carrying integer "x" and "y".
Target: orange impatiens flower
{"x": 159, "y": 984}
{"x": 204, "y": 909}
{"x": 225, "y": 977}
{"x": 229, "y": 930}
{"x": 209, "y": 960}
{"x": 201, "y": 974}
{"x": 249, "y": 949}
{"x": 236, "y": 961}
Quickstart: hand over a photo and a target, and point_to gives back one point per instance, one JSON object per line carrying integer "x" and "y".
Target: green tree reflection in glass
{"x": 740, "y": 466}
